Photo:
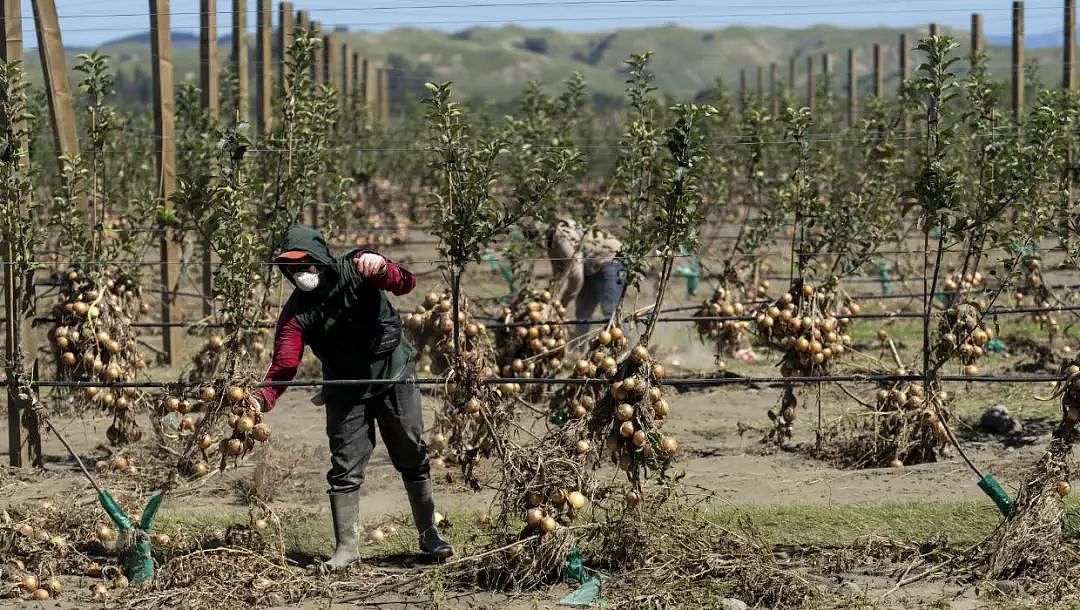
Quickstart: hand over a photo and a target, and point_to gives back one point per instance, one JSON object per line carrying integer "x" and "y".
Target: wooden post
{"x": 240, "y": 58}
{"x": 826, "y": 74}
{"x": 811, "y": 93}
{"x": 903, "y": 67}
{"x": 331, "y": 61}
{"x": 24, "y": 436}
{"x": 208, "y": 59}
{"x": 371, "y": 87}
{"x": 791, "y": 79}
{"x": 879, "y": 82}
{"x": 61, "y": 104}
{"x": 976, "y": 33}
{"x": 384, "y": 95}
{"x": 318, "y": 71}
{"x": 934, "y": 31}
{"x": 165, "y": 153}
{"x": 760, "y": 83}
{"x": 774, "y": 97}
{"x": 1068, "y": 73}
{"x": 742, "y": 89}
{"x": 852, "y": 91}
{"x": 285, "y": 38}
{"x": 208, "y": 83}
{"x": 264, "y": 61}
{"x": 1017, "y": 59}
{"x": 357, "y": 65}
{"x": 347, "y": 71}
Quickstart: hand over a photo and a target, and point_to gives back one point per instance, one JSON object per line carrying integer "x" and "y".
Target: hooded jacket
{"x": 347, "y": 321}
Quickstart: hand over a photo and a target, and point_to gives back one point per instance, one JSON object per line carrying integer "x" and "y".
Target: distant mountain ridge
{"x": 494, "y": 63}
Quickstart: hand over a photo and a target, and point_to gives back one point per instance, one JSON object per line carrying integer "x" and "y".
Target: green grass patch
{"x": 964, "y": 523}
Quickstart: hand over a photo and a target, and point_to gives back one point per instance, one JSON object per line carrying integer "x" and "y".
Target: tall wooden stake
{"x": 852, "y": 92}
{"x": 774, "y": 93}
{"x": 1068, "y": 73}
{"x": 208, "y": 56}
{"x": 934, "y": 30}
{"x": 826, "y": 74}
{"x": 331, "y": 61}
{"x": 264, "y": 62}
{"x": 165, "y": 153}
{"x": 879, "y": 82}
{"x": 357, "y": 65}
{"x": 371, "y": 87}
{"x": 24, "y": 435}
{"x": 811, "y": 86}
{"x": 319, "y": 69}
{"x": 384, "y": 95}
{"x": 208, "y": 83}
{"x": 977, "y": 45}
{"x": 742, "y": 89}
{"x": 790, "y": 89}
{"x": 239, "y": 58}
{"x": 760, "y": 83}
{"x": 57, "y": 86}
{"x": 285, "y": 38}
{"x": 347, "y": 71}
{"x": 1017, "y": 59}
{"x": 903, "y": 81}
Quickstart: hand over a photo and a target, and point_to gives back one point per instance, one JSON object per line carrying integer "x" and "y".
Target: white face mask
{"x": 306, "y": 280}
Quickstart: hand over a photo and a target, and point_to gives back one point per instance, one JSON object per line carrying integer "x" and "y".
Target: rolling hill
{"x": 493, "y": 64}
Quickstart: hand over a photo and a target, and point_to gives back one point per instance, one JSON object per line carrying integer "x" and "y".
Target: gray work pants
{"x": 603, "y": 287}
{"x": 350, "y": 428}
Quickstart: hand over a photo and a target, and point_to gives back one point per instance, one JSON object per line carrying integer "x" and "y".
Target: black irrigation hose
{"x": 676, "y": 382}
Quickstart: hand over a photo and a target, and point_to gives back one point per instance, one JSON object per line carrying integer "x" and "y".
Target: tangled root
{"x": 904, "y": 428}
{"x": 1029, "y": 543}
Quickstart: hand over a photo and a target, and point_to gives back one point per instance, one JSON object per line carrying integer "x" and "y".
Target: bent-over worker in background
{"x": 588, "y": 259}
{"x": 339, "y": 308}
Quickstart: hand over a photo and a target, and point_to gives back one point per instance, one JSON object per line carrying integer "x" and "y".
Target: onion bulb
{"x": 576, "y": 499}
{"x": 533, "y": 516}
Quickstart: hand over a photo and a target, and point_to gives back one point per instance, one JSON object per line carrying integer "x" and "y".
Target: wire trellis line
{"x": 675, "y": 382}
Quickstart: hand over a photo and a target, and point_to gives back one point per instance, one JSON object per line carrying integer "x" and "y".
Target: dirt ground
{"x": 721, "y": 453}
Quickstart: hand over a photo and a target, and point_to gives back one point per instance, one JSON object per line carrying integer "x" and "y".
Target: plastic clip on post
{"x": 139, "y": 560}
{"x": 990, "y": 487}
{"x": 496, "y": 265}
{"x": 692, "y": 273}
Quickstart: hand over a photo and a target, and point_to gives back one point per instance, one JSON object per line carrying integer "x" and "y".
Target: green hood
{"x": 306, "y": 239}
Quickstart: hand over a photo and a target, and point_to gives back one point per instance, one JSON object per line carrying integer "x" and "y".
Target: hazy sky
{"x": 89, "y": 22}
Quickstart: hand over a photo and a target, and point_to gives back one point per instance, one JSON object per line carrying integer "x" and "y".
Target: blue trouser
{"x": 603, "y": 287}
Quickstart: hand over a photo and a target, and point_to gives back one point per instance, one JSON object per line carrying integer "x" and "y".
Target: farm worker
{"x": 588, "y": 259}
{"x": 339, "y": 308}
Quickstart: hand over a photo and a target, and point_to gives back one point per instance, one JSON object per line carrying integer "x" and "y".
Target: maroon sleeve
{"x": 288, "y": 351}
{"x": 395, "y": 278}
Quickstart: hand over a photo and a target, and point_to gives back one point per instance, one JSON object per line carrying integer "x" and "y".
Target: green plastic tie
{"x": 883, "y": 270}
{"x": 559, "y": 418}
{"x": 992, "y": 488}
{"x": 139, "y": 559}
{"x": 574, "y": 569}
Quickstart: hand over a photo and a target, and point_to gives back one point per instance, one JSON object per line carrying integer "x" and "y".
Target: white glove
{"x": 370, "y": 264}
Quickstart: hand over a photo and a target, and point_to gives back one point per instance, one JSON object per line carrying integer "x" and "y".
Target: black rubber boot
{"x": 423, "y": 510}
{"x": 345, "y": 509}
